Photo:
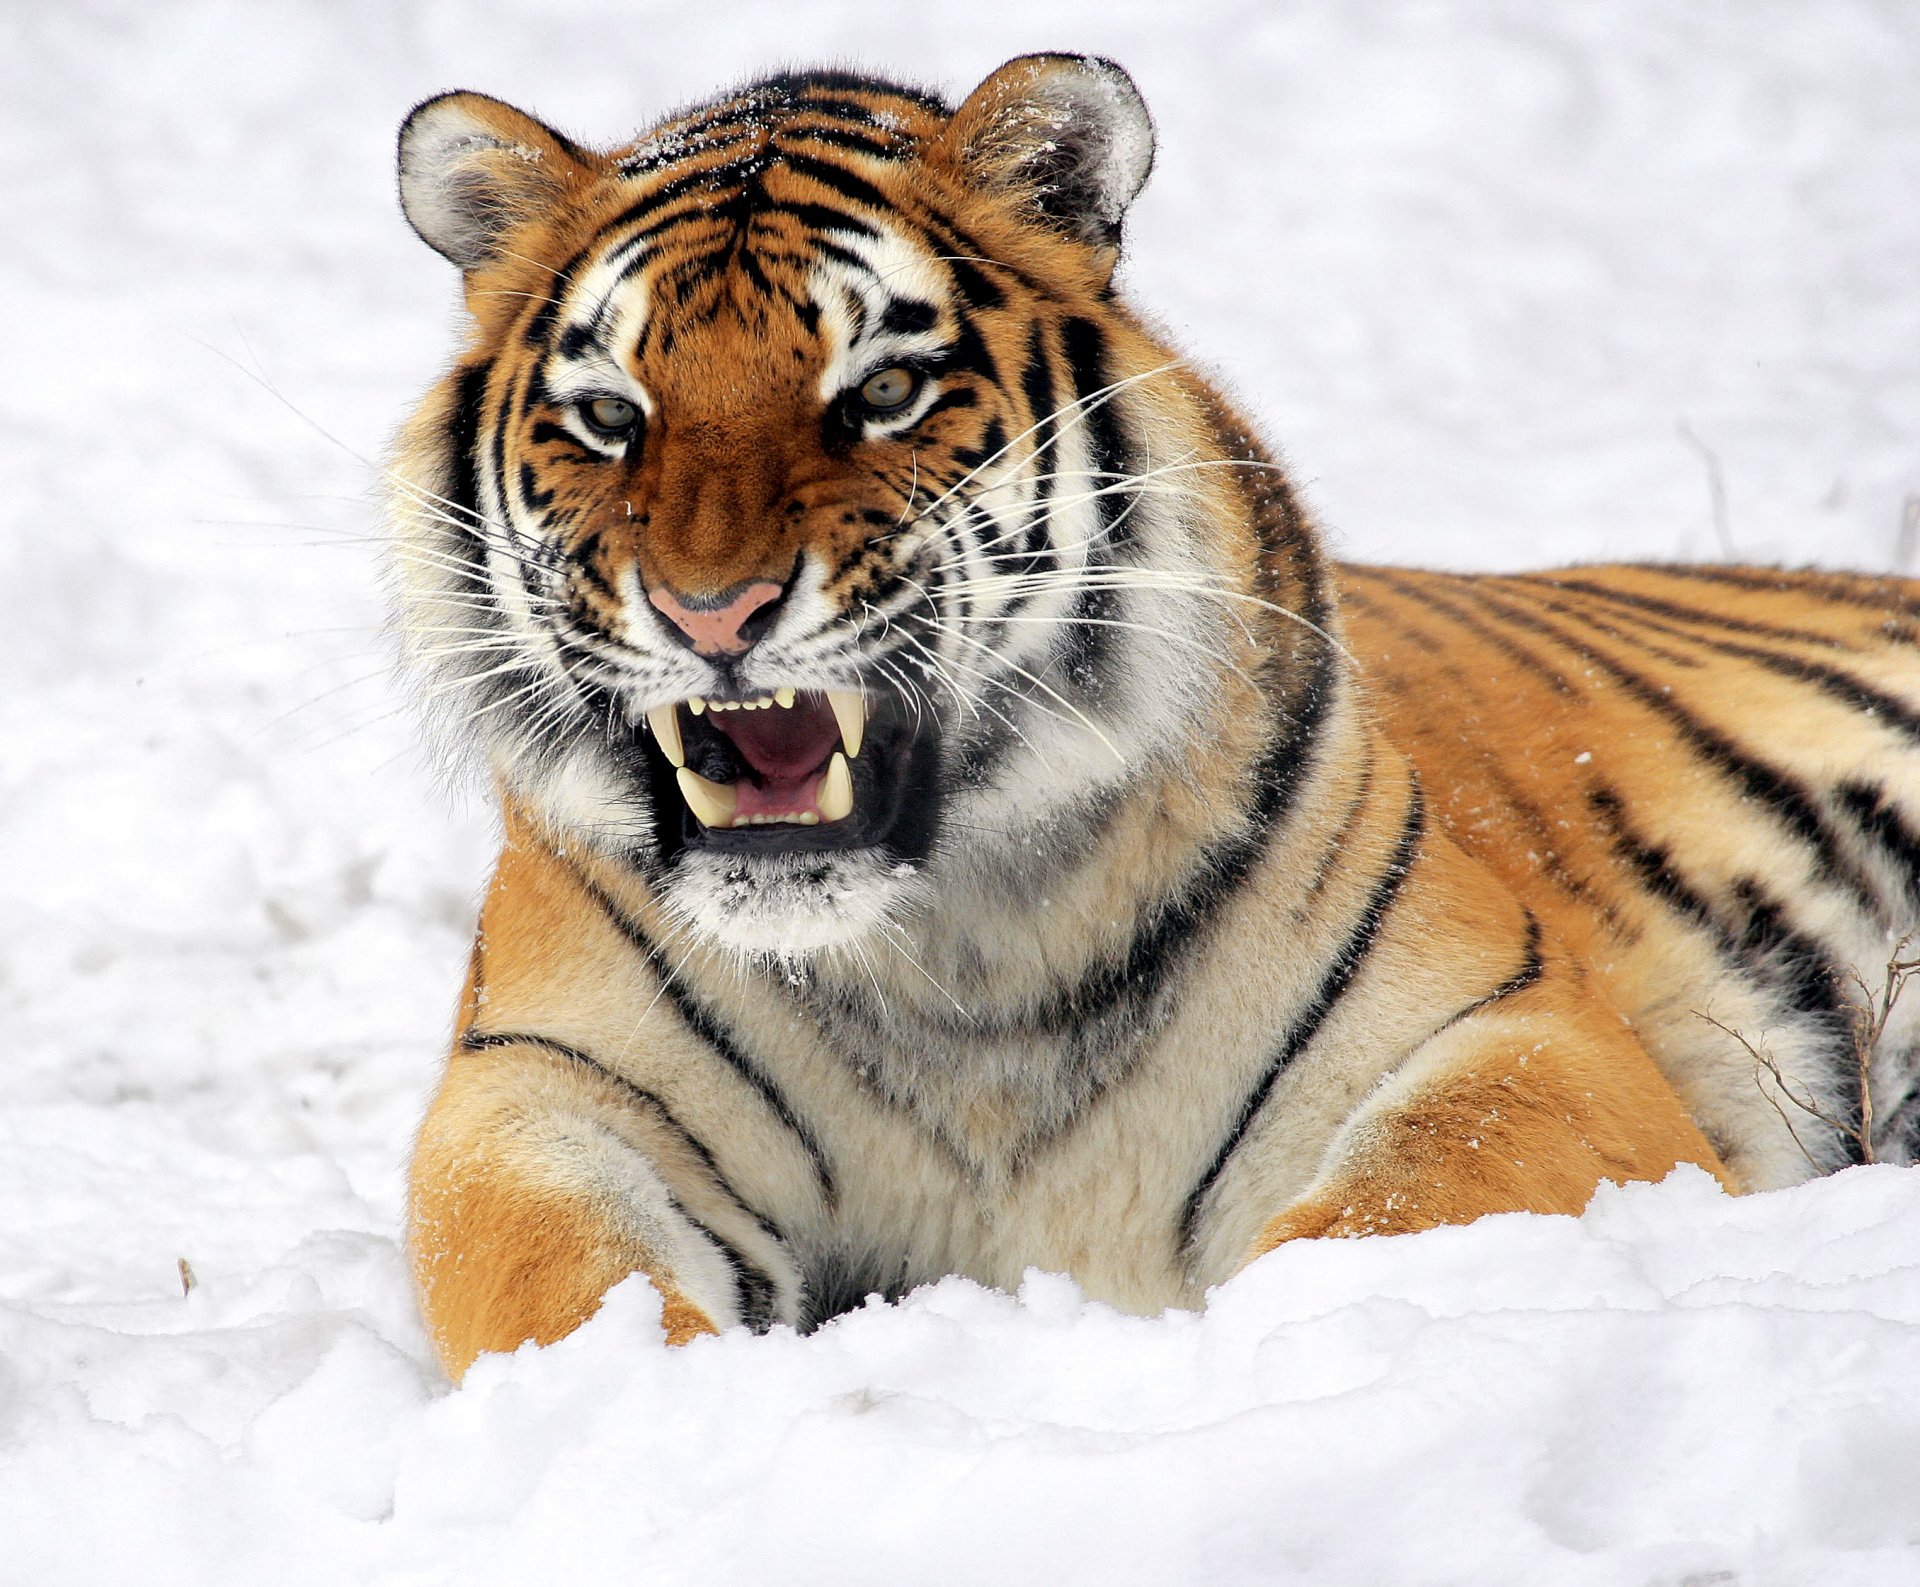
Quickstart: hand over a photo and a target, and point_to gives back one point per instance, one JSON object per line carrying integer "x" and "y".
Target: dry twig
{"x": 1869, "y": 1015}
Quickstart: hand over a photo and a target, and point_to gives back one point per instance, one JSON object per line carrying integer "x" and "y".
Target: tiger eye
{"x": 613, "y": 415}
{"x": 891, "y": 388}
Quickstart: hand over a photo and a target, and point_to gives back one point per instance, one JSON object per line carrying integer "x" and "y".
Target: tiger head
{"x": 805, "y": 513}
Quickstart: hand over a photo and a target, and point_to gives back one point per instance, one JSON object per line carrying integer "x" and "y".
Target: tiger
{"x": 957, "y": 818}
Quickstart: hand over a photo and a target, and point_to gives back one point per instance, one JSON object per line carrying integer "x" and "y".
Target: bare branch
{"x": 1868, "y": 1014}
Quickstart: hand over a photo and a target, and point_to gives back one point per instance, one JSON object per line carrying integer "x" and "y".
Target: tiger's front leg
{"x": 1526, "y": 1110}
{"x": 532, "y": 1194}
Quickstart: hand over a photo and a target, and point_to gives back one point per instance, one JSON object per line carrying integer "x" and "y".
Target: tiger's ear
{"x": 1068, "y": 135}
{"x": 473, "y": 168}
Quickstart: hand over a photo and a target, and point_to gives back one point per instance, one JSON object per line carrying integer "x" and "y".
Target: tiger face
{"x": 779, "y": 528}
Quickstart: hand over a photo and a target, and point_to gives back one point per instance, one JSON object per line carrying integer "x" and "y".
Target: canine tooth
{"x": 784, "y": 698}
{"x": 850, "y": 711}
{"x": 696, "y": 705}
{"x": 711, "y": 802}
{"x": 665, "y": 722}
{"x": 836, "y": 790}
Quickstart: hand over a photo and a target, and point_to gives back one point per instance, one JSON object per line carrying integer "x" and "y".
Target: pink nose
{"x": 713, "y": 628}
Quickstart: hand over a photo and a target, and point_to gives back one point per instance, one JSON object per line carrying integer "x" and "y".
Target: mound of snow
{"x": 1678, "y": 1387}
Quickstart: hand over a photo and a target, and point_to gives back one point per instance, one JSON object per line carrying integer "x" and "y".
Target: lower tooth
{"x": 711, "y": 802}
{"x": 836, "y": 790}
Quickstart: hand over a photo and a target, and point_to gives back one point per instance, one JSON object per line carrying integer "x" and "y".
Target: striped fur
{"x": 1197, "y": 894}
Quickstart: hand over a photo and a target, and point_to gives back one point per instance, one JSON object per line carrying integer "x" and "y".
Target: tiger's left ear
{"x": 1067, "y": 135}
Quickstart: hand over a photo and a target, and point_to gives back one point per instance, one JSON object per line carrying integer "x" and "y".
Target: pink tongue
{"x": 783, "y": 746}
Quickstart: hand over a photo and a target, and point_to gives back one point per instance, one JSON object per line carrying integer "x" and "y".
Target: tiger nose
{"x": 717, "y": 625}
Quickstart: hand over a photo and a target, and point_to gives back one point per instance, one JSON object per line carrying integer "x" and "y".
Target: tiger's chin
{"x": 789, "y": 907}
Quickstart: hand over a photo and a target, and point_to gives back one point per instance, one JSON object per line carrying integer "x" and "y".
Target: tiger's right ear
{"x": 473, "y": 168}
{"x": 1067, "y": 136}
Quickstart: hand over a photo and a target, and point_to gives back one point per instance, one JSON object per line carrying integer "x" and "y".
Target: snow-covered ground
{"x": 1511, "y": 283}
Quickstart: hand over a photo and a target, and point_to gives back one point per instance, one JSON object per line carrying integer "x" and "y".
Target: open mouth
{"x": 793, "y": 770}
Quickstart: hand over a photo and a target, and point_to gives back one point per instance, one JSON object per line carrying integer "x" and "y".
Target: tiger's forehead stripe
{"x": 879, "y": 308}
{"x": 764, "y": 181}
{"x": 883, "y": 122}
{"x": 715, "y": 161}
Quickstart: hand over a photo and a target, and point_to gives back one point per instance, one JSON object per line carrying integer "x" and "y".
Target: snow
{"x": 1482, "y": 268}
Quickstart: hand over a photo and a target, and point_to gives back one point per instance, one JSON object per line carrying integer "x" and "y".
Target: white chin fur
{"x": 791, "y": 905}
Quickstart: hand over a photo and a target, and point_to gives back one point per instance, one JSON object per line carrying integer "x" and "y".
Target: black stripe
{"x": 1177, "y": 927}
{"x": 951, "y": 238}
{"x": 499, "y": 419}
{"x": 1532, "y": 967}
{"x": 483, "y": 1041}
{"x": 975, "y": 287}
{"x": 1090, "y": 636}
{"x": 577, "y": 339}
{"x": 1838, "y": 588}
{"x": 707, "y": 1026}
{"x": 1851, "y": 691}
{"x": 753, "y": 1289}
{"x": 825, "y": 249}
{"x": 1529, "y": 660}
{"x": 705, "y": 179}
{"x": 1797, "y": 965}
{"x": 841, "y": 180}
{"x": 909, "y": 316}
{"x": 1880, "y": 818}
{"x": 822, "y": 217}
{"x": 1085, "y": 346}
{"x": 839, "y": 108}
{"x": 1788, "y": 800}
{"x": 947, "y": 401}
{"x": 463, "y": 486}
{"x": 585, "y": 561}
{"x": 532, "y": 497}
{"x": 969, "y": 352}
{"x": 1756, "y": 935}
{"x": 750, "y": 267}
{"x": 1338, "y": 844}
{"x": 1651, "y": 863}
{"x": 858, "y": 142}
{"x": 546, "y": 310}
{"x": 802, "y": 87}
{"x": 1334, "y": 983}
{"x": 1680, "y": 613}
{"x": 1037, "y": 384}
{"x": 993, "y": 441}
{"x": 1604, "y": 622}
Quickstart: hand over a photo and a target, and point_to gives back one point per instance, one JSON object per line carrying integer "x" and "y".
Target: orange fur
{"x": 1532, "y": 1125}
{"x": 499, "y": 1258}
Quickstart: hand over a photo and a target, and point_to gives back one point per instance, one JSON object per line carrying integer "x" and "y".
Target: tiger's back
{"x": 1707, "y": 781}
